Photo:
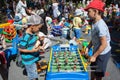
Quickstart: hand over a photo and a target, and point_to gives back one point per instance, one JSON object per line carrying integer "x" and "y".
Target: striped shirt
{"x": 28, "y": 42}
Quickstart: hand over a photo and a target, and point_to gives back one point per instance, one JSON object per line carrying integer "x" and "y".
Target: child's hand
{"x": 42, "y": 48}
{"x": 92, "y": 59}
{"x": 36, "y": 49}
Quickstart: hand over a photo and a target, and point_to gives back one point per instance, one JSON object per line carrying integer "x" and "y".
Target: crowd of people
{"x": 36, "y": 21}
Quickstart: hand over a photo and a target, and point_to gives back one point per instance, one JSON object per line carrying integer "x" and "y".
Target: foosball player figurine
{"x": 75, "y": 61}
{"x": 56, "y": 60}
{"x": 58, "y": 67}
{"x": 74, "y": 67}
{"x": 64, "y": 53}
{"x": 55, "y": 54}
{"x": 66, "y": 61}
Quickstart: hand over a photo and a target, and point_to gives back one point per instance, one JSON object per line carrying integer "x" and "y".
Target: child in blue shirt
{"x": 29, "y": 54}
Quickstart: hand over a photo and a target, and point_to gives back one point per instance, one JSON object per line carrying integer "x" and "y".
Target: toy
{"x": 8, "y": 31}
{"x": 66, "y": 63}
{"x": 84, "y": 45}
{"x": 4, "y": 25}
{"x": 41, "y": 66}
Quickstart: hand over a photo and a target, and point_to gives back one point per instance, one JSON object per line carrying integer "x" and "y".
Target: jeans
{"x": 31, "y": 71}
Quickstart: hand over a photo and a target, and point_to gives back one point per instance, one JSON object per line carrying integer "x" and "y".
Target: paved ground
{"x": 16, "y": 73}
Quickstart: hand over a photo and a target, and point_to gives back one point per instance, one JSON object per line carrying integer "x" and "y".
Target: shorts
{"x": 31, "y": 71}
{"x": 101, "y": 64}
{"x": 2, "y": 58}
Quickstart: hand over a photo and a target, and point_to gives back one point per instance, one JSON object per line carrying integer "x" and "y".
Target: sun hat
{"x": 78, "y": 12}
{"x": 96, "y": 4}
{"x": 34, "y": 20}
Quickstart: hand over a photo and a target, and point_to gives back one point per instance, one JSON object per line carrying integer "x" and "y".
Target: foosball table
{"x": 66, "y": 63}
